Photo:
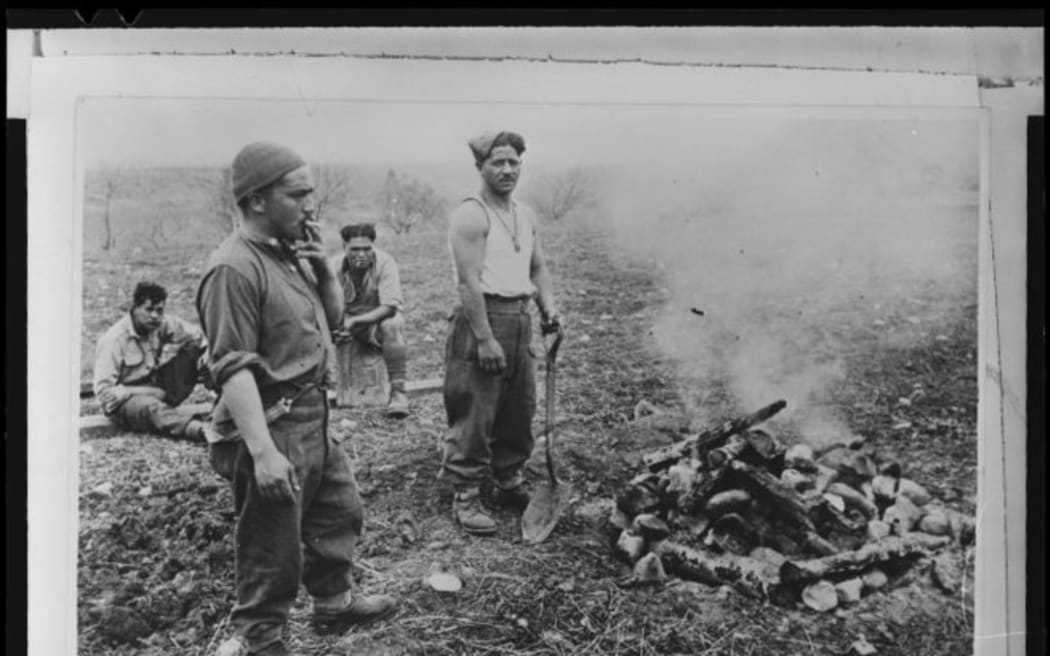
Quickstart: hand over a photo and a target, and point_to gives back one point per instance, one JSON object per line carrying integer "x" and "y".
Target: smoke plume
{"x": 773, "y": 244}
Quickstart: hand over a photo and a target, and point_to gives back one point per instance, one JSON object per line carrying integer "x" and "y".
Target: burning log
{"x": 694, "y": 446}
{"x": 768, "y": 489}
{"x": 695, "y": 498}
{"x": 854, "y": 500}
{"x": 642, "y": 495}
{"x": 726, "y": 501}
{"x": 815, "y": 543}
{"x": 845, "y": 528}
{"x": 852, "y": 562}
{"x": 732, "y": 448}
{"x": 733, "y": 534}
{"x": 752, "y": 576}
{"x": 765, "y": 446}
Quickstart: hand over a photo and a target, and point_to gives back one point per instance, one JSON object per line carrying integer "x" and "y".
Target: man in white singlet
{"x": 490, "y": 380}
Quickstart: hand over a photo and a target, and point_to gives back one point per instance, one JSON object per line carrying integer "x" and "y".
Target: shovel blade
{"x": 544, "y": 509}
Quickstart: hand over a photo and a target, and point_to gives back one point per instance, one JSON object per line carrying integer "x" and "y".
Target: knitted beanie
{"x": 260, "y": 163}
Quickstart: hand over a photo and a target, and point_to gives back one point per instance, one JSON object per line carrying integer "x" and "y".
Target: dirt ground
{"x": 155, "y": 541}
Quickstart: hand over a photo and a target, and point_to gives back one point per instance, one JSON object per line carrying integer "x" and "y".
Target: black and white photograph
{"x": 412, "y": 355}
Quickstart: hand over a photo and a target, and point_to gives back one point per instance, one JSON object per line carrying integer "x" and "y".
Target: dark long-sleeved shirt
{"x": 260, "y": 309}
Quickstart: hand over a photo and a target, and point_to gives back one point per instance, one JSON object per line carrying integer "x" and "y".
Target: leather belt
{"x": 508, "y": 300}
{"x": 289, "y": 392}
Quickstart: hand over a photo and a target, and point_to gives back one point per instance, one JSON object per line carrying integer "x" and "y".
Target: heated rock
{"x": 915, "y": 493}
{"x": 902, "y": 516}
{"x": 630, "y": 546}
{"x": 800, "y": 457}
{"x": 820, "y": 596}
{"x": 849, "y": 590}
{"x": 726, "y": 501}
{"x": 874, "y": 579}
{"x": 650, "y": 527}
{"x": 878, "y": 529}
{"x": 649, "y": 569}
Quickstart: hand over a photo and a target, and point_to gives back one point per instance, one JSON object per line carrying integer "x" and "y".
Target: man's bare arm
{"x": 274, "y": 475}
{"x": 372, "y": 316}
{"x": 468, "y": 227}
{"x": 541, "y": 278}
{"x": 148, "y": 390}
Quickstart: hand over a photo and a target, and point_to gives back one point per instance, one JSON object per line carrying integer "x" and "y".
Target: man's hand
{"x": 276, "y": 477}
{"x": 491, "y": 357}
{"x": 311, "y": 249}
{"x": 550, "y": 322}
{"x": 349, "y": 323}
{"x": 114, "y": 394}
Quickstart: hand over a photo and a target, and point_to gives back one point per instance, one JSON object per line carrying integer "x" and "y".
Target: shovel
{"x": 549, "y": 501}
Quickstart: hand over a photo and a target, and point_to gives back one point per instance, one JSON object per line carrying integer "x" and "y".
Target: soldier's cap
{"x": 481, "y": 145}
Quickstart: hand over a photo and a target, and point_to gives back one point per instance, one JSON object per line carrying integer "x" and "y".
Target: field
{"x": 155, "y": 540}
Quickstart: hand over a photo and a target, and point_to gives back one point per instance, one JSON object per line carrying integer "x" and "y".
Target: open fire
{"x": 736, "y": 505}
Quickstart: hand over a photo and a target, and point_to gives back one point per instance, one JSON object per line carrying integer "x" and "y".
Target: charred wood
{"x": 754, "y": 577}
{"x": 872, "y": 553}
{"x": 732, "y": 448}
{"x": 711, "y": 438}
{"x": 766, "y": 488}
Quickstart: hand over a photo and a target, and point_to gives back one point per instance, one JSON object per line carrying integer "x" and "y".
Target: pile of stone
{"x": 736, "y": 505}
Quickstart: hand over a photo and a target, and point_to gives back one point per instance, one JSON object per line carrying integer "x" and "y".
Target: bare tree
{"x": 109, "y": 190}
{"x": 405, "y": 203}
{"x": 555, "y": 196}
{"x": 331, "y": 188}
{"x": 222, "y": 207}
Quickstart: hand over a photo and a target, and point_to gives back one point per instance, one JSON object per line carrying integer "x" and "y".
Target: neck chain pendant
{"x": 513, "y": 233}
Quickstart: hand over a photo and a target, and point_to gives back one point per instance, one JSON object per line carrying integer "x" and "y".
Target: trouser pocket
{"x": 223, "y": 458}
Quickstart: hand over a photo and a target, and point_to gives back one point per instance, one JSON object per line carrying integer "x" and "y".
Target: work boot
{"x": 470, "y": 515}
{"x": 512, "y": 498}
{"x": 347, "y": 610}
{"x": 398, "y": 408}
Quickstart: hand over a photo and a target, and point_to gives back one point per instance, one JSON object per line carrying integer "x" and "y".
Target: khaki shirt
{"x": 381, "y": 284}
{"x": 123, "y": 357}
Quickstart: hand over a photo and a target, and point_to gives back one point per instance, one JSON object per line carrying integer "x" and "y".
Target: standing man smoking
{"x": 490, "y": 379}
{"x": 267, "y": 302}
{"x": 372, "y": 315}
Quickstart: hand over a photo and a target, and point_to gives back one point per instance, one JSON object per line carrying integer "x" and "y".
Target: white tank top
{"x": 505, "y": 270}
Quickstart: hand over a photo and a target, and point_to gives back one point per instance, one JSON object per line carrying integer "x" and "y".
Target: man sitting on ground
{"x": 372, "y": 314}
{"x": 146, "y": 364}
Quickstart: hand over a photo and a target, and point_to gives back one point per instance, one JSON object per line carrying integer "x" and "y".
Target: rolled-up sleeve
{"x": 106, "y": 381}
{"x": 228, "y": 305}
{"x": 180, "y": 331}
{"x": 389, "y": 283}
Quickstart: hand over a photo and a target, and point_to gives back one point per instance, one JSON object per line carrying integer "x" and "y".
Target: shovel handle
{"x": 552, "y": 348}
{"x": 552, "y": 354}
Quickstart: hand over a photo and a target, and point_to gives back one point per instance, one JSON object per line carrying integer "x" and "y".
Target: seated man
{"x": 371, "y": 314}
{"x": 146, "y": 364}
